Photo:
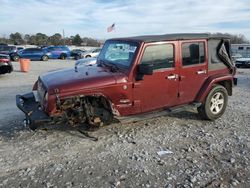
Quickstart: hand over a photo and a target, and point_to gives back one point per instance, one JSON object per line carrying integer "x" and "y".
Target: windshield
{"x": 120, "y": 53}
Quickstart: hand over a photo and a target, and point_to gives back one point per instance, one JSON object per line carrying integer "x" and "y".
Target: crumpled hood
{"x": 82, "y": 78}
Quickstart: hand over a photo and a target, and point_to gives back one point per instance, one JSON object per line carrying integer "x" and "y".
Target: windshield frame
{"x": 101, "y": 61}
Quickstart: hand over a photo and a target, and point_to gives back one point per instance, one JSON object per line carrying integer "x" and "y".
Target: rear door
{"x": 193, "y": 71}
{"x": 160, "y": 89}
{"x": 26, "y": 53}
{"x": 37, "y": 54}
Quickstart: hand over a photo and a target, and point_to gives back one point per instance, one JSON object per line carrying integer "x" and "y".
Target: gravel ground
{"x": 198, "y": 153}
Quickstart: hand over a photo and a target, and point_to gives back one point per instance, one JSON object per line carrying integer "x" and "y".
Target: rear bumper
{"x": 5, "y": 67}
{"x": 34, "y": 114}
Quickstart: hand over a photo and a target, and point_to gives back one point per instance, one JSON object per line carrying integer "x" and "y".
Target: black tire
{"x": 215, "y": 103}
{"x": 63, "y": 56}
{"x": 77, "y": 57}
{"x": 45, "y": 58}
{"x": 87, "y": 56}
{"x": 15, "y": 58}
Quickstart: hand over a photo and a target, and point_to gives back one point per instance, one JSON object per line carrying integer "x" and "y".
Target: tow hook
{"x": 26, "y": 123}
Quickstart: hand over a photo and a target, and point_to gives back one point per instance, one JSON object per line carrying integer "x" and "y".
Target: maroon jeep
{"x": 137, "y": 75}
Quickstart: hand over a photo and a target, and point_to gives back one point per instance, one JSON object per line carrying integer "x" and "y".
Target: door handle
{"x": 201, "y": 72}
{"x": 172, "y": 77}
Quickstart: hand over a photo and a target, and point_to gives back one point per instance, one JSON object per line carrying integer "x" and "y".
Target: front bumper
{"x": 32, "y": 110}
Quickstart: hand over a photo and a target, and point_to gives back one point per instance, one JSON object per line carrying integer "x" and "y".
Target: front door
{"x": 160, "y": 89}
{"x": 193, "y": 71}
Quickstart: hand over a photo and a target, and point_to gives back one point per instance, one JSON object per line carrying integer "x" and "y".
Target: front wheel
{"x": 77, "y": 57}
{"x": 215, "y": 103}
{"x": 45, "y": 58}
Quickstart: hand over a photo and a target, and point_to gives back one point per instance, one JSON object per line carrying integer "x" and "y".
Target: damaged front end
{"x": 75, "y": 111}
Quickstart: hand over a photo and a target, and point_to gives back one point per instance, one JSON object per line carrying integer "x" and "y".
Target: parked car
{"x": 242, "y": 62}
{"x": 34, "y": 54}
{"x": 58, "y": 52}
{"x": 85, "y": 62}
{"x": 5, "y": 64}
{"x": 77, "y": 53}
{"x": 92, "y": 53}
{"x": 134, "y": 76}
{"x": 9, "y": 50}
{"x": 20, "y": 48}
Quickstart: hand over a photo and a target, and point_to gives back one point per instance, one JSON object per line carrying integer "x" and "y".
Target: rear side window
{"x": 50, "y": 49}
{"x": 27, "y": 50}
{"x": 37, "y": 50}
{"x": 193, "y": 53}
{"x": 65, "y": 48}
{"x": 161, "y": 56}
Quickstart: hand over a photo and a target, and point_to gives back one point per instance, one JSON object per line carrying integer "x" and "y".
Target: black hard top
{"x": 176, "y": 36}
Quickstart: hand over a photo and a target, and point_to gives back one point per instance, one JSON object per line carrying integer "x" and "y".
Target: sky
{"x": 90, "y": 18}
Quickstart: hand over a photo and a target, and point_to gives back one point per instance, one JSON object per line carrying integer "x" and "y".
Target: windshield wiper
{"x": 113, "y": 67}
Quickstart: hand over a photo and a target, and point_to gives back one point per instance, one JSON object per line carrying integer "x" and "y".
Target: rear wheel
{"x": 215, "y": 103}
{"x": 45, "y": 58}
{"x": 15, "y": 58}
{"x": 87, "y": 56}
{"x": 63, "y": 56}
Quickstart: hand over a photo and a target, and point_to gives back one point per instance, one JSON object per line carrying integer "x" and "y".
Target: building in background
{"x": 240, "y": 49}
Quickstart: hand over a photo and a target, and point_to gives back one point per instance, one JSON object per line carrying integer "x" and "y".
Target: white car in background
{"x": 85, "y": 62}
{"x": 92, "y": 53}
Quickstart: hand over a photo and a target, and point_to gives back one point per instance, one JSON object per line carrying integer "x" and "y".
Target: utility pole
{"x": 63, "y": 38}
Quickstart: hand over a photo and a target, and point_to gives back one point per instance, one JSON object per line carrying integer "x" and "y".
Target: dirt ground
{"x": 199, "y": 153}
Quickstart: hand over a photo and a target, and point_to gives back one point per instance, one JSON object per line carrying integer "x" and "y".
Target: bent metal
{"x": 135, "y": 76}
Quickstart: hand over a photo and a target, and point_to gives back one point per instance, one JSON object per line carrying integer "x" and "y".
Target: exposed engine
{"x": 93, "y": 110}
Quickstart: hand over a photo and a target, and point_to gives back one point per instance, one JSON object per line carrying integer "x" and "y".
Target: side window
{"x": 161, "y": 56}
{"x": 50, "y": 49}
{"x": 26, "y": 51}
{"x": 193, "y": 53}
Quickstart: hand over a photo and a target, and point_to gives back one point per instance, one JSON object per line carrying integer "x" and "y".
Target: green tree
{"x": 77, "y": 40}
{"x": 56, "y": 39}
{"x": 16, "y": 38}
{"x": 41, "y": 39}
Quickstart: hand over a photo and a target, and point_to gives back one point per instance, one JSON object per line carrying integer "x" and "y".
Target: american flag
{"x": 111, "y": 28}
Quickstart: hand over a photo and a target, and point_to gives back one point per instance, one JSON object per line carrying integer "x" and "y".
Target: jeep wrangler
{"x": 137, "y": 75}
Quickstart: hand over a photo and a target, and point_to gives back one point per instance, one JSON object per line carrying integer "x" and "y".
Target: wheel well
{"x": 97, "y": 101}
{"x": 96, "y": 110}
{"x": 228, "y": 85}
{"x": 100, "y": 100}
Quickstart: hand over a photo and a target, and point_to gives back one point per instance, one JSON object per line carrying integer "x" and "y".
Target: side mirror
{"x": 145, "y": 69}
